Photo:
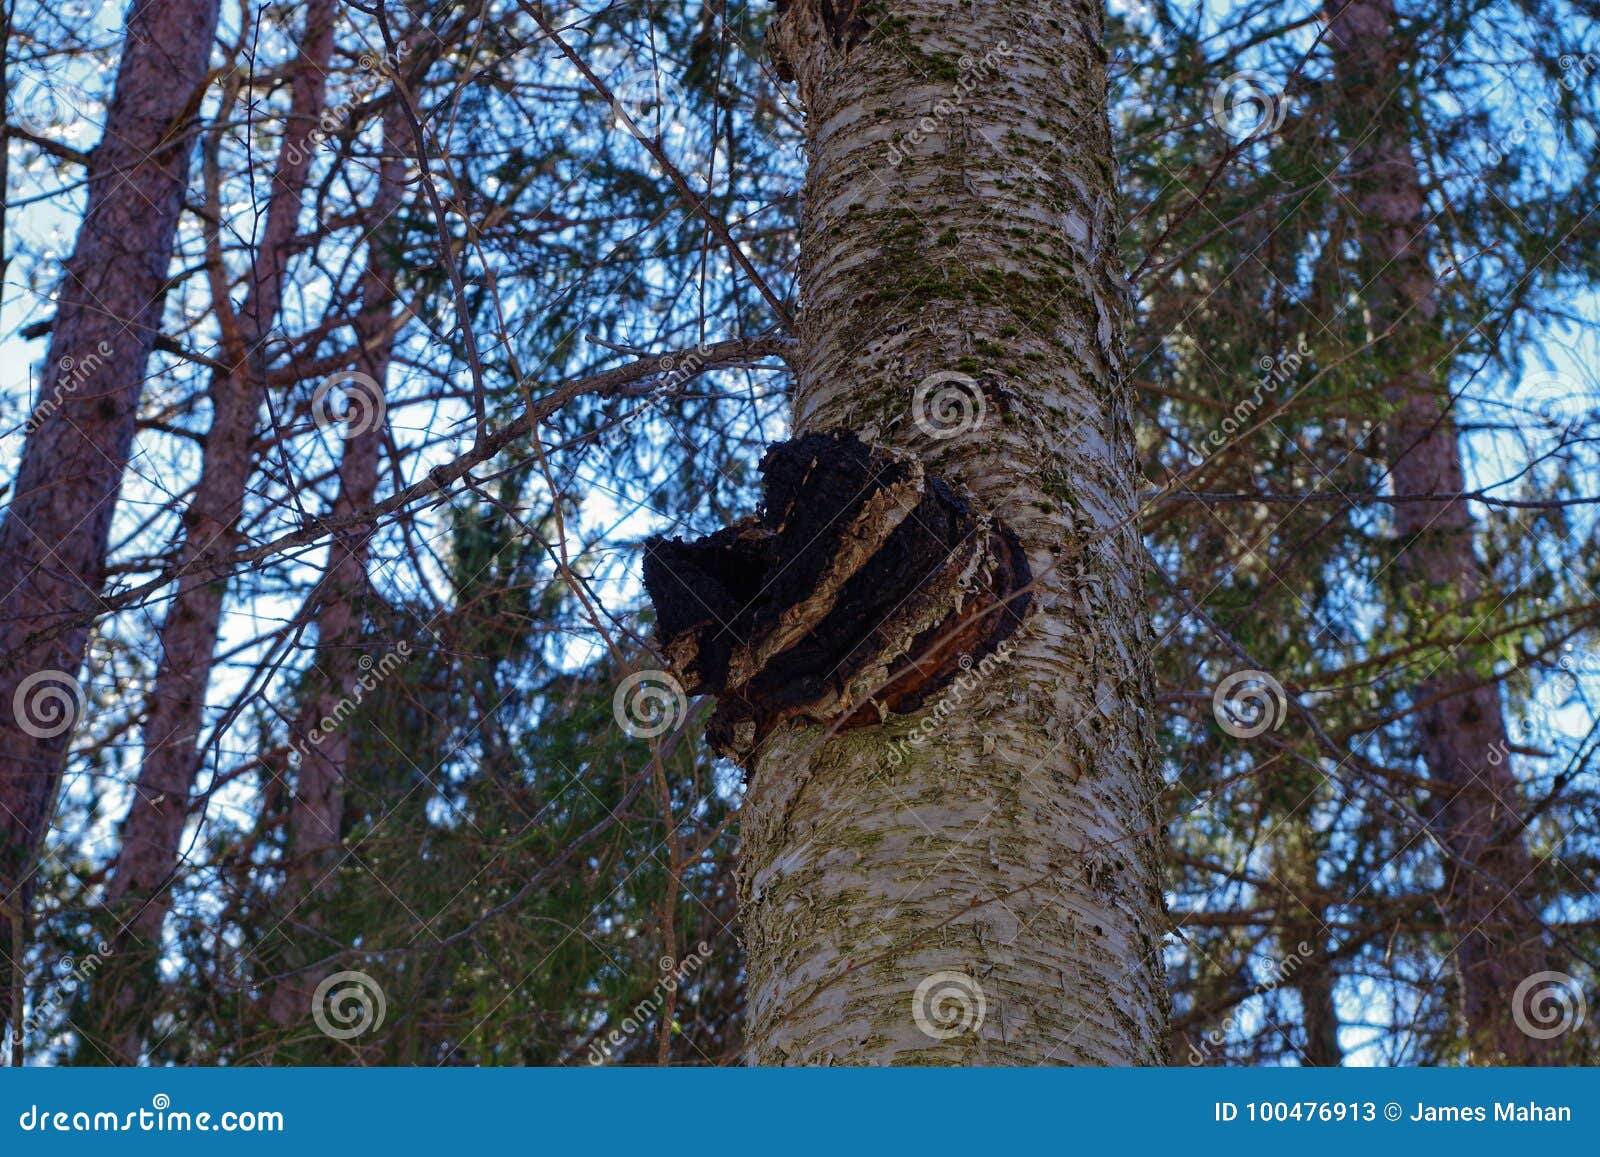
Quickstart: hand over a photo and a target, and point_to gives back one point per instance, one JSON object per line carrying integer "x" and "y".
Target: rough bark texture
{"x": 139, "y": 888}
{"x": 976, "y": 882}
{"x": 1319, "y": 1014}
{"x": 154, "y": 825}
{"x": 1476, "y": 806}
{"x": 54, "y": 538}
{"x": 316, "y": 811}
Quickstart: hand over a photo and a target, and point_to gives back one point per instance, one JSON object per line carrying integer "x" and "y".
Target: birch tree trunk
{"x": 976, "y": 882}
{"x": 1475, "y": 807}
{"x": 316, "y": 812}
{"x": 53, "y": 540}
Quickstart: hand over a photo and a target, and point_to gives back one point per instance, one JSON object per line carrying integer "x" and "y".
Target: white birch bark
{"x": 989, "y": 895}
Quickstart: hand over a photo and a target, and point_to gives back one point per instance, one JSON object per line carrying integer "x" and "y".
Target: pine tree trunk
{"x": 53, "y": 541}
{"x": 977, "y": 882}
{"x": 1303, "y": 939}
{"x": 1319, "y": 1014}
{"x": 139, "y": 890}
{"x": 155, "y": 821}
{"x": 316, "y": 813}
{"x": 1475, "y": 805}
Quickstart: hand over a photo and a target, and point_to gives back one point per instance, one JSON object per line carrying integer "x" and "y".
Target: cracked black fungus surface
{"x": 729, "y": 588}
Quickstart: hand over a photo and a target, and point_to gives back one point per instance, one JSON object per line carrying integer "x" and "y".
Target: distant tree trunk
{"x": 977, "y": 882}
{"x": 1303, "y": 940}
{"x": 1475, "y": 808}
{"x": 1318, "y": 1012}
{"x": 53, "y": 540}
{"x": 316, "y": 813}
{"x": 139, "y": 890}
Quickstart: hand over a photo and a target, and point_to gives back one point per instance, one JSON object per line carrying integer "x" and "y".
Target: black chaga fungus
{"x": 853, "y": 592}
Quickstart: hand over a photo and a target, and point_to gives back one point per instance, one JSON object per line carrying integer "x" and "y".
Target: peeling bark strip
{"x": 989, "y": 894}
{"x": 853, "y": 593}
